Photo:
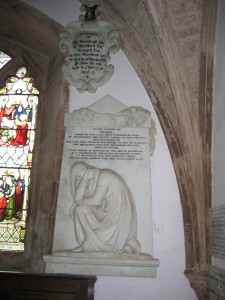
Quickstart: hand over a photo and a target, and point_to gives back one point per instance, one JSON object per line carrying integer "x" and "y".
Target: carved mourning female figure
{"x": 103, "y": 210}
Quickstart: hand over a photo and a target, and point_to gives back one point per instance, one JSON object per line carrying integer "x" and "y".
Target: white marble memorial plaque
{"x": 216, "y": 284}
{"x": 217, "y": 231}
{"x": 107, "y": 144}
{"x": 104, "y": 202}
{"x": 87, "y": 45}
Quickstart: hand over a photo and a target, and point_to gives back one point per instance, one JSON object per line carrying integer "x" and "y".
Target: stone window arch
{"x": 31, "y": 39}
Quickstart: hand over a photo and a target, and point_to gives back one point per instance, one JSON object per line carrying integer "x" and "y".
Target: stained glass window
{"x": 18, "y": 108}
{"x": 4, "y": 58}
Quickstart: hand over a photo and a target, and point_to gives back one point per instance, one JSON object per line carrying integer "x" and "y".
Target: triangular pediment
{"x": 107, "y": 104}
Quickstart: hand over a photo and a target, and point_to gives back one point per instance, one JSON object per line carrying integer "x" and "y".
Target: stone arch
{"x": 161, "y": 44}
{"x": 31, "y": 39}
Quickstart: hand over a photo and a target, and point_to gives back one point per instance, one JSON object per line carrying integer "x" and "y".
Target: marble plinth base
{"x": 83, "y": 264}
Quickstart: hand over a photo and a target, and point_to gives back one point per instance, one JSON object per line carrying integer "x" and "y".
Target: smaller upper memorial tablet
{"x": 87, "y": 45}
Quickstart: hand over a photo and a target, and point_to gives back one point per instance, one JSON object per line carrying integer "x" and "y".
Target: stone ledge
{"x": 141, "y": 266}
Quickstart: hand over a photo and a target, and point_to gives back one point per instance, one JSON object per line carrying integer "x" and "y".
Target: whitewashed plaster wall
{"x": 219, "y": 118}
{"x": 168, "y": 235}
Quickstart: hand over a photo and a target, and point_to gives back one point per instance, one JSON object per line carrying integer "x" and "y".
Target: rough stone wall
{"x": 171, "y": 46}
{"x": 186, "y": 21}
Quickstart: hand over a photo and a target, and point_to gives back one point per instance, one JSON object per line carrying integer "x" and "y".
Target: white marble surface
{"x": 138, "y": 266}
{"x": 87, "y": 46}
{"x": 118, "y": 151}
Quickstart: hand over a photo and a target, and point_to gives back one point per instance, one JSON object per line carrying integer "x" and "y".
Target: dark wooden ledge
{"x": 46, "y": 286}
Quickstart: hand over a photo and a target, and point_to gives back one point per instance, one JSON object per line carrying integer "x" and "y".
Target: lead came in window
{"x": 18, "y": 109}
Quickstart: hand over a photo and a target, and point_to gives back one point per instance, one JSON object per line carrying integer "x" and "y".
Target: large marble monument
{"x": 104, "y": 218}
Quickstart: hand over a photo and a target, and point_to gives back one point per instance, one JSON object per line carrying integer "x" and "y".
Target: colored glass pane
{"x": 4, "y": 58}
{"x": 18, "y": 109}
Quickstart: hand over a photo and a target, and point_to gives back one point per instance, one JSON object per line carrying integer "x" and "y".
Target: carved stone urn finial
{"x": 91, "y": 10}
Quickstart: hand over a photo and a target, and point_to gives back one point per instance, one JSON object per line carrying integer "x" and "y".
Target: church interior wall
{"x": 168, "y": 224}
{"x": 168, "y": 233}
